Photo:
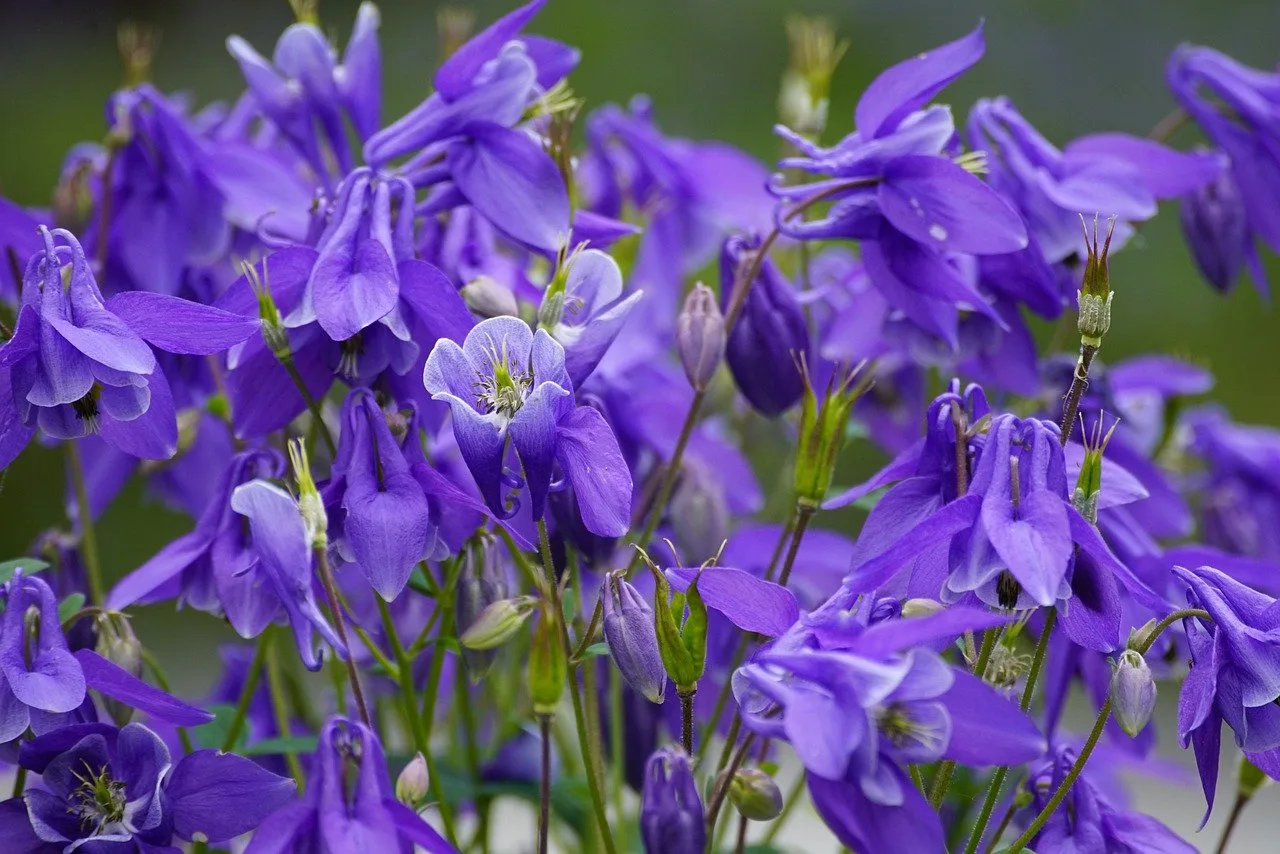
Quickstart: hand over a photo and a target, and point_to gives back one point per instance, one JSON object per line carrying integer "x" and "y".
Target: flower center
{"x": 99, "y": 801}
{"x": 86, "y": 409}
{"x": 903, "y": 731}
{"x": 349, "y": 363}
{"x": 505, "y": 390}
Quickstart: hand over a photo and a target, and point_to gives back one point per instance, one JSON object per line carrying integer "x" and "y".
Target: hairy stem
{"x": 325, "y": 571}
{"x": 686, "y": 720}
{"x": 1079, "y": 383}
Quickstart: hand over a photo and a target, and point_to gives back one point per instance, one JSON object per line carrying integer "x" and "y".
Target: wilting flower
{"x": 504, "y": 382}
{"x": 119, "y": 789}
{"x": 670, "y": 809}
{"x": 350, "y": 805}
{"x": 78, "y": 366}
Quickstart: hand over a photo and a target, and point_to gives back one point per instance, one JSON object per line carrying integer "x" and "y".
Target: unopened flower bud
{"x": 671, "y": 819}
{"x": 1095, "y": 289}
{"x": 755, "y": 794}
{"x": 683, "y": 646}
{"x": 498, "y": 623}
{"x": 700, "y": 336}
{"x": 699, "y": 513}
{"x": 118, "y": 644}
{"x": 1217, "y": 230}
{"x": 1140, "y": 638}
{"x": 482, "y": 580}
{"x": 628, "y": 630}
{"x": 1133, "y": 693}
{"x": 488, "y": 298}
{"x": 310, "y": 504}
{"x": 414, "y": 782}
{"x": 806, "y": 83}
{"x": 823, "y": 424}
{"x": 547, "y": 666}
{"x": 921, "y": 607}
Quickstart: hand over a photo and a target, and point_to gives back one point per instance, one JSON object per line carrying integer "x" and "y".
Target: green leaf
{"x": 214, "y": 733}
{"x": 28, "y": 565}
{"x": 69, "y": 606}
{"x": 272, "y": 746}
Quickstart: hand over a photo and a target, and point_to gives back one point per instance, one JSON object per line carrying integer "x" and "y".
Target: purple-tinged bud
{"x": 118, "y": 644}
{"x": 498, "y": 623}
{"x": 699, "y": 514}
{"x": 628, "y": 630}
{"x": 700, "y": 336}
{"x": 755, "y": 794}
{"x": 1217, "y": 230}
{"x": 771, "y": 337}
{"x": 487, "y": 298}
{"x": 1133, "y": 693}
{"x": 413, "y": 783}
{"x": 671, "y": 820}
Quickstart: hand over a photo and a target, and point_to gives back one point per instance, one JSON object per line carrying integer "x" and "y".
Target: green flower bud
{"x": 1140, "y": 638}
{"x": 498, "y": 622}
{"x": 755, "y": 794}
{"x": 822, "y": 432}
{"x": 310, "y": 505}
{"x": 547, "y": 670}
{"x": 1095, "y": 289}
{"x": 683, "y": 646}
{"x": 1089, "y": 481}
{"x": 806, "y": 83}
{"x": 118, "y": 644}
{"x": 413, "y": 783}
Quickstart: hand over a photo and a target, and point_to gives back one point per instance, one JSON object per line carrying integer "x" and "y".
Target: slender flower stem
{"x": 1079, "y": 383}
{"x": 789, "y": 802}
{"x": 472, "y": 753}
{"x": 998, "y": 778}
{"x": 1233, "y": 819}
{"x": 404, "y": 675}
{"x": 1004, "y": 823}
{"x": 114, "y": 144}
{"x": 286, "y": 360}
{"x": 1170, "y": 122}
{"x": 445, "y": 605}
{"x": 246, "y": 693}
{"x": 588, "y": 743}
{"x": 804, "y": 513}
{"x": 158, "y": 674}
{"x": 721, "y": 790}
{"x": 19, "y": 782}
{"x": 84, "y": 518}
{"x": 1099, "y": 724}
{"x": 686, "y": 720}
{"x": 544, "y": 790}
{"x": 275, "y": 683}
{"x": 942, "y": 777}
{"x": 325, "y": 571}
{"x": 741, "y": 845}
{"x": 616, "y": 748}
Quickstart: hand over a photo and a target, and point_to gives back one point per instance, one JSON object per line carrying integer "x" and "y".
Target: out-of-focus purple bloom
{"x": 114, "y": 789}
{"x": 1241, "y": 492}
{"x": 700, "y": 338}
{"x": 1115, "y": 174}
{"x": 504, "y": 382}
{"x": 586, "y": 316}
{"x": 77, "y": 366}
{"x": 1235, "y": 671}
{"x": 349, "y": 806}
{"x": 629, "y": 631}
{"x": 770, "y": 341}
{"x": 670, "y": 810}
{"x": 1237, "y": 107}
{"x": 1216, "y": 226}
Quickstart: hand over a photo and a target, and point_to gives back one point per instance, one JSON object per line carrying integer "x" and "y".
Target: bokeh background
{"x": 712, "y": 69}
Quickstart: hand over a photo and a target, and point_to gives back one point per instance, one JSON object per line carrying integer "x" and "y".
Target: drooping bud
{"x": 628, "y": 630}
{"x": 1095, "y": 294}
{"x": 310, "y": 504}
{"x": 823, "y": 426}
{"x": 1140, "y": 637}
{"x": 766, "y": 345}
{"x": 481, "y": 582}
{"x": 498, "y": 623}
{"x": 546, "y": 663}
{"x": 137, "y": 44}
{"x": 118, "y": 644}
{"x": 683, "y": 644}
{"x": 806, "y": 84}
{"x": 1133, "y": 693}
{"x": 488, "y": 298}
{"x": 699, "y": 513}
{"x": 1217, "y": 230}
{"x": 671, "y": 819}
{"x": 700, "y": 337}
{"x": 413, "y": 783}
{"x": 755, "y": 794}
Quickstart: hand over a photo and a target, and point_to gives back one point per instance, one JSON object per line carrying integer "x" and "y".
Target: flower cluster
{"x": 432, "y": 392}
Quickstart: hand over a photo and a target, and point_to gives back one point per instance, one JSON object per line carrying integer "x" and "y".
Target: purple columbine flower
{"x": 588, "y": 313}
{"x": 770, "y": 341}
{"x": 671, "y": 820}
{"x": 108, "y": 789}
{"x": 1216, "y": 227}
{"x": 1237, "y": 108}
{"x": 78, "y": 366}
{"x": 1235, "y": 671}
{"x": 350, "y": 806}
{"x": 506, "y": 382}
{"x": 1240, "y": 492}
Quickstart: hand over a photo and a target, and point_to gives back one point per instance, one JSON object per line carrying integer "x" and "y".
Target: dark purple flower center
{"x": 349, "y": 362}
{"x": 86, "y": 408}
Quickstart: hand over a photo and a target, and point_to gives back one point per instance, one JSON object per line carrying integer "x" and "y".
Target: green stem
{"x": 286, "y": 360}
{"x": 404, "y": 676}
{"x": 1233, "y": 819}
{"x": 1099, "y": 724}
{"x": 616, "y": 748}
{"x": 472, "y": 753}
{"x": 157, "y": 673}
{"x": 942, "y": 778}
{"x": 19, "y": 782}
{"x": 1003, "y": 825}
{"x": 246, "y": 693}
{"x": 804, "y": 513}
{"x": 721, "y": 790}
{"x": 88, "y": 538}
{"x": 788, "y": 804}
{"x": 445, "y": 603}
{"x": 340, "y": 624}
{"x": 998, "y": 778}
{"x": 280, "y": 709}
{"x": 917, "y": 777}
{"x": 544, "y": 790}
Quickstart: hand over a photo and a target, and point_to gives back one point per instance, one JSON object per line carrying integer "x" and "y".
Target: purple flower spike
{"x": 504, "y": 382}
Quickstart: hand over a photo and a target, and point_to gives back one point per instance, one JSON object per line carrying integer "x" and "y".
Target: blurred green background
{"x": 712, "y": 69}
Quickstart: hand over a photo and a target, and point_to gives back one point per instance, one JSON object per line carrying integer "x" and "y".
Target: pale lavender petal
{"x": 456, "y": 74}
{"x": 938, "y": 203}
{"x": 752, "y": 604}
{"x": 1168, "y": 173}
{"x": 111, "y": 680}
{"x": 1035, "y": 545}
{"x": 179, "y": 325}
{"x": 588, "y": 452}
{"x": 986, "y": 727}
{"x": 154, "y": 434}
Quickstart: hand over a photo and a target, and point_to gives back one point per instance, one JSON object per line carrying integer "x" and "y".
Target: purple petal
{"x": 588, "y": 452}
{"x": 752, "y": 604}
{"x": 179, "y": 325}
{"x": 938, "y": 203}
{"x": 259, "y": 189}
{"x": 113, "y": 681}
{"x": 1167, "y": 173}
{"x": 910, "y": 84}
{"x": 354, "y": 285}
{"x": 986, "y": 727}
{"x": 890, "y": 636}
{"x": 436, "y": 302}
{"x": 154, "y": 434}
{"x": 16, "y": 835}
{"x": 865, "y": 826}
{"x": 360, "y": 83}
{"x": 14, "y": 434}
{"x": 901, "y": 467}
{"x": 455, "y": 75}
{"x": 41, "y": 672}
{"x": 221, "y": 795}
{"x": 411, "y": 826}
{"x": 513, "y": 183}
{"x": 946, "y": 523}
{"x": 1036, "y": 545}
